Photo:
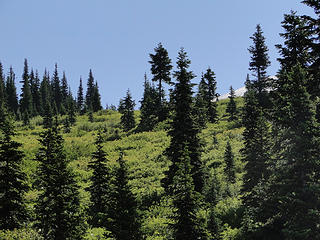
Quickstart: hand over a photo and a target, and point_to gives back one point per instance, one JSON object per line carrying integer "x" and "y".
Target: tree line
{"x": 51, "y": 94}
{"x": 281, "y": 117}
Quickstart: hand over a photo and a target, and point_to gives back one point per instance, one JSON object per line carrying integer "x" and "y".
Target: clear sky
{"x": 114, "y": 38}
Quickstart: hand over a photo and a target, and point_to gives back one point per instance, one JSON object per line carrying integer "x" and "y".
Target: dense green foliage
{"x": 100, "y": 188}
{"x": 13, "y": 212}
{"x": 184, "y": 133}
{"x": 295, "y": 186}
{"x": 193, "y": 168}
{"x": 124, "y": 223}
{"x": 57, "y": 205}
{"x": 145, "y": 164}
{"x": 230, "y": 166}
{"x": 210, "y": 78}
{"x": 149, "y": 107}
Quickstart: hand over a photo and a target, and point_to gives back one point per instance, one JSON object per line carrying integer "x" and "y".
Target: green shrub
{"x": 20, "y": 234}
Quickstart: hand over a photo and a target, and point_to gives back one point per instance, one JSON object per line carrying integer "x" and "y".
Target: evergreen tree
{"x": 297, "y": 42}
{"x": 48, "y": 116}
{"x": 296, "y": 183}
{"x": 80, "y": 98}
{"x": 64, "y": 89}
{"x": 259, "y": 60}
{"x": 32, "y": 87}
{"x": 202, "y": 103}
{"x": 90, "y": 91}
{"x": 71, "y": 110}
{"x": 257, "y": 144}
{"x": 186, "y": 201}
{"x": 45, "y": 92}
{"x": 11, "y": 93}
{"x": 126, "y": 108}
{"x": 96, "y": 99}
{"x": 2, "y": 86}
{"x": 313, "y": 27}
{"x": 101, "y": 185}
{"x": 124, "y": 224}
{"x": 313, "y": 24}
{"x": 212, "y": 195}
{"x": 56, "y": 89}
{"x": 184, "y": 133}
{"x": 35, "y": 92}
{"x": 257, "y": 155}
{"x": 210, "y": 78}
{"x": 160, "y": 68}
{"x": 232, "y": 106}
{"x": 26, "y": 97}
{"x": 230, "y": 166}
{"x": 149, "y": 107}
{"x": 57, "y": 206}
{"x": 13, "y": 213}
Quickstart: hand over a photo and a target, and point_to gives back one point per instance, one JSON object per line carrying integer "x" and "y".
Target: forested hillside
{"x": 185, "y": 166}
{"x": 143, "y": 153}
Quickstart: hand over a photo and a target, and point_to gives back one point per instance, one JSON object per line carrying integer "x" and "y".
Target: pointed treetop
{"x": 183, "y": 61}
{"x": 259, "y": 54}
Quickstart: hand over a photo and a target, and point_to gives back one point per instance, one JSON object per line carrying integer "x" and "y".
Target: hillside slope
{"x": 144, "y": 155}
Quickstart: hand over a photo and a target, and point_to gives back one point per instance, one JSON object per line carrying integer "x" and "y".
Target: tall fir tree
{"x": 125, "y": 224}
{"x": 96, "y": 99}
{"x": 45, "y": 92}
{"x": 71, "y": 109}
{"x": 47, "y": 115}
{"x": 257, "y": 155}
{"x": 313, "y": 26}
{"x": 11, "y": 93}
{"x": 35, "y": 92}
{"x": 210, "y": 78}
{"x": 187, "y": 224}
{"x": 2, "y": 86}
{"x": 184, "y": 133}
{"x": 160, "y": 68}
{"x": 57, "y": 206}
{"x": 229, "y": 169}
{"x": 90, "y": 91}
{"x": 201, "y": 103}
{"x": 80, "y": 100}
{"x": 64, "y": 88}
{"x": 295, "y": 188}
{"x": 149, "y": 107}
{"x": 232, "y": 106}
{"x": 258, "y": 65}
{"x": 296, "y": 47}
{"x": 31, "y": 83}
{"x": 126, "y": 108}
{"x": 101, "y": 186}
{"x": 56, "y": 89}
{"x": 26, "y": 96}
{"x": 13, "y": 186}
{"x": 257, "y": 143}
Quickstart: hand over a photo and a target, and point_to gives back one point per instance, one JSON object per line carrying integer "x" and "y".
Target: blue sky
{"x": 114, "y": 38}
